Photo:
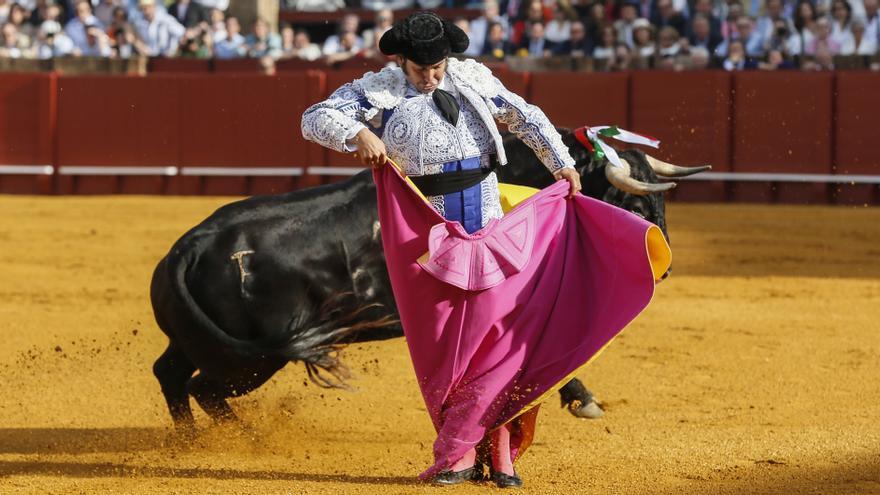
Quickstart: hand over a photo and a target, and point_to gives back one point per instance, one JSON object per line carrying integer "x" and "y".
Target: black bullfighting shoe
{"x": 506, "y": 480}
{"x": 455, "y": 477}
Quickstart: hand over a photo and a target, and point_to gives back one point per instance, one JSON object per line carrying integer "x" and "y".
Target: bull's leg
{"x": 212, "y": 394}
{"x": 173, "y": 369}
{"x": 579, "y": 400}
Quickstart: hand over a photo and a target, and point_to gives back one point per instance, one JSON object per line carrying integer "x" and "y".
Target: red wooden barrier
{"x": 26, "y": 129}
{"x": 856, "y": 132}
{"x": 242, "y": 121}
{"x": 116, "y": 121}
{"x": 689, "y": 112}
{"x": 572, "y": 99}
{"x": 782, "y": 123}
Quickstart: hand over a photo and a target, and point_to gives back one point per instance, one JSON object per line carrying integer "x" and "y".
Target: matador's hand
{"x": 371, "y": 150}
{"x": 573, "y": 178}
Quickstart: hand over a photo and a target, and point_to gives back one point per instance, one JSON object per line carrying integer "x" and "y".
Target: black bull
{"x": 273, "y": 279}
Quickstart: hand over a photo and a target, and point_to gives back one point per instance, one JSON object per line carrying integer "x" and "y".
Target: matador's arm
{"x": 530, "y": 124}
{"x": 334, "y": 122}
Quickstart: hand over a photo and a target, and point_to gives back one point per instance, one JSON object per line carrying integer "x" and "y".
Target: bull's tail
{"x": 313, "y": 338}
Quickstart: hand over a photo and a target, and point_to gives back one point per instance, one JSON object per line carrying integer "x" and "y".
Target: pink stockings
{"x": 500, "y": 452}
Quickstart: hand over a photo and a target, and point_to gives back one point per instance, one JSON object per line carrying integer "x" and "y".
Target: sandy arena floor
{"x": 756, "y": 370}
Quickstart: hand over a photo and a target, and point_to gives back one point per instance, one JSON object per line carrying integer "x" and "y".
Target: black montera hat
{"x": 425, "y": 38}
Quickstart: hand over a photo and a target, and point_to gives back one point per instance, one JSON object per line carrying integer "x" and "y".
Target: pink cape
{"x": 498, "y": 319}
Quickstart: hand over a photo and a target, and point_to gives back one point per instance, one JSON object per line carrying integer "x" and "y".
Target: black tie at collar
{"x": 447, "y": 104}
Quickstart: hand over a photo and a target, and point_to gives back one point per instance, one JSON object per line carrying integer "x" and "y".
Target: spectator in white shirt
{"x": 298, "y": 44}
{"x": 159, "y": 32}
{"x": 858, "y": 43}
{"x": 841, "y": 17}
{"x": 348, "y": 24}
{"x": 76, "y": 27}
{"x": 480, "y": 26}
{"x": 218, "y": 25}
{"x": 233, "y": 45}
{"x": 559, "y": 28}
{"x": 9, "y": 47}
{"x": 52, "y": 42}
{"x": 872, "y": 20}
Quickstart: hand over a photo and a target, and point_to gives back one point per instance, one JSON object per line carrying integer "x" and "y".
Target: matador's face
{"x": 425, "y": 78}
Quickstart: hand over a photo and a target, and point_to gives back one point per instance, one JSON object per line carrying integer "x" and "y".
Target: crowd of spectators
{"x": 611, "y": 34}
{"x": 125, "y": 28}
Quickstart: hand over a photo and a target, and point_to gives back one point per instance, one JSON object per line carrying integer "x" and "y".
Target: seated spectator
{"x": 118, "y": 22}
{"x": 577, "y": 45}
{"x": 534, "y": 12}
{"x": 197, "y": 43}
{"x": 823, "y": 58}
{"x": 666, "y": 15}
{"x": 47, "y": 10}
{"x": 805, "y": 22}
{"x": 347, "y": 49}
{"x": 858, "y": 43}
{"x": 872, "y": 20}
{"x": 699, "y": 58}
{"x": 737, "y": 59}
{"x": 348, "y": 24}
{"x": 52, "y": 42}
{"x": 595, "y": 22}
{"x": 822, "y": 40}
{"x": 783, "y": 40}
{"x": 534, "y": 45}
{"x": 18, "y": 16}
{"x": 728, "y": 23}
{"x": 124, "y": 43}
{"x": 622, "y": 58}
{"x": 189, "y": 13}
{"x": 159, "y": 33}
{"x": 643, "y": 39}
{"x": 104, "y": 11}
{"x": 559, "y": 28}
{"x": 217, "y": 25}
{"x": 496, "y": 45}
{"x": 480, "y": 26}
{"x": 262, "y": 42}
{"x": 704, "y": 8}
{"x": 303, "y": 47}
{"x": 465, "y": 26}
{"x": 746, "y": 33}
{"x": 232, "y": 45}
{"x": 383, "y": 21}
{"x": 668, "y": 45}
{"x": 701, "y": 33}
{"x": 767, "y": 24}
{"x": 76, "y": 27}
{"x": 97, "y": 44}
{"x": 9, "y": 45}
{"x": 605, "y": 50}
{"x": 629, "y": 13}
{"x": 841, "y": 16}
{"x": 776, "y": 61}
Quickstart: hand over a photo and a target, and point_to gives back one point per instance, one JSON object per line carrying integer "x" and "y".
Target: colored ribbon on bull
{"x": 590, "y": 138}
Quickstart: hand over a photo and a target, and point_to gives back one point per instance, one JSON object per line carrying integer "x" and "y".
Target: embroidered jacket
{"x": 419, "y": 139}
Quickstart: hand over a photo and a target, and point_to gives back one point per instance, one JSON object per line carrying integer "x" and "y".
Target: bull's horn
{"x": 669, "y": 170}
{"x": 620, "y": 178}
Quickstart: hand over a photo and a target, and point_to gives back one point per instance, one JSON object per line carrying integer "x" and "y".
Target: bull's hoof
{"x": 590, "y": 410}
